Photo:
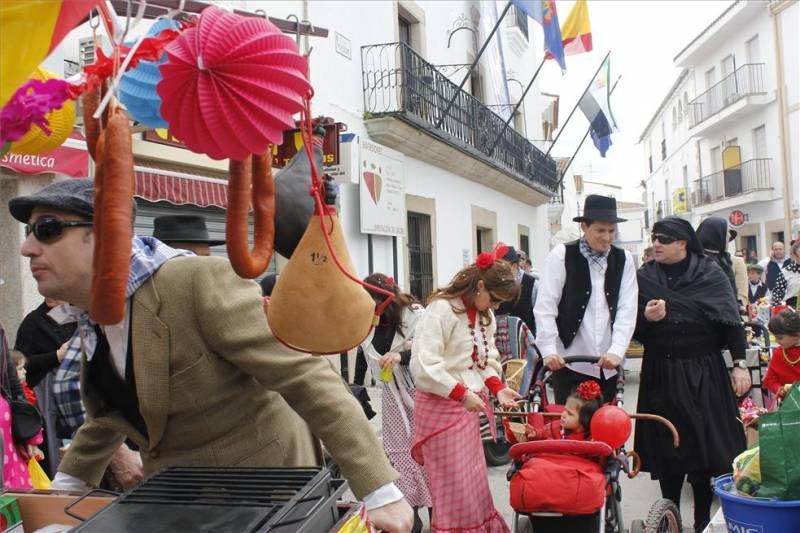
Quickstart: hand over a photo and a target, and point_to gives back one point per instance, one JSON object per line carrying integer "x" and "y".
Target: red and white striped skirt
{"x": 447, "y": 442}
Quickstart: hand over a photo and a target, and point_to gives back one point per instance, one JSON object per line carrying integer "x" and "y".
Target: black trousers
{"x": 565, "y": 381}
{"x": 701, "y": 490}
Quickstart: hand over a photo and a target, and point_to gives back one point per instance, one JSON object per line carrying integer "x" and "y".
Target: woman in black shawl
{"x": 713, "y": 235}
{"x": 686, "y": 316}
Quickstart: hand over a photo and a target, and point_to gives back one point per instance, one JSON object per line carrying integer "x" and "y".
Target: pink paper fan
{"x": 231, "y": 85}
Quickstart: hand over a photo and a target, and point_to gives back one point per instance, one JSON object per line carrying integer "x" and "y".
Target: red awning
{"x": 179, "y": 188}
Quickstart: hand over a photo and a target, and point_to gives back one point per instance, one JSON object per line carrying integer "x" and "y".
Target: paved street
{"x": 638, "y": 494}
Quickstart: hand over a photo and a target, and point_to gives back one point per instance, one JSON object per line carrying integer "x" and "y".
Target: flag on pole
{"x": 596, "y": 105}
{"x": 576, "y": 33}
{"x": 544, "y": 12}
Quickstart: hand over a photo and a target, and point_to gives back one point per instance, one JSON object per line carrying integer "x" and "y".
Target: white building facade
{"x": 724, "y": 140}
{"x": 461, "y": 195}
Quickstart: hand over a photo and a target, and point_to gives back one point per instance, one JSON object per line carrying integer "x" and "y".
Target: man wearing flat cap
{"x": 186, "y": 232}
{"x": 193, "y": 374}
{"x": 586, "y": 303}
{"x": 687, "y": 315}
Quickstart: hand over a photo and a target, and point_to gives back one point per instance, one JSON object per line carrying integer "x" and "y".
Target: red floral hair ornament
{"x": 589, "y": 390}
{"x": 486, "y": 259}
{"x": 778, "y": 308}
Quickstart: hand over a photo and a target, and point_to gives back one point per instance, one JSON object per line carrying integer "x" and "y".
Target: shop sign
{"x": 737, "y": 218}
{"x": 382, "y": 189}
{"x": 163, "y": 136}
{"x": 342, "y": 45}
{"x": 63, "y": 160}
{"x": 293, "y": 142}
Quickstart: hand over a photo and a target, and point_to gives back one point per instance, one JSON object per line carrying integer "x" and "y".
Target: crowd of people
{"x": 192, "y": 375}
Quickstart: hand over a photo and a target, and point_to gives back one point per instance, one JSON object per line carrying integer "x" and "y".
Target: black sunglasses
{"x": 47, "y": 229}
{"x": 663, "y": 239}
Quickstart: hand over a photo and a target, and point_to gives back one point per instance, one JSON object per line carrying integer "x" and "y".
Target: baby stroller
{"x": 582, "y": 490}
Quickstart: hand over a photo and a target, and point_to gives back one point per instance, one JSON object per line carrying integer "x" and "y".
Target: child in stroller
{"x": 562, "y": 480}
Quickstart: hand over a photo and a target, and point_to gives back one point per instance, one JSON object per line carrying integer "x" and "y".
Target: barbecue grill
{"x": 252, "y": 500}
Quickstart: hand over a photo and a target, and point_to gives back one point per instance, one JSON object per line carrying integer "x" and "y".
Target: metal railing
{"x": 752, "y": 175}
{"x": 398, "y": 82}
{"x": 745, "y": 80}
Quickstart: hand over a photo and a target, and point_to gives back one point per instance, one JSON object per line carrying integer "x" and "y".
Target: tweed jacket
{"x": 215, "y": 388}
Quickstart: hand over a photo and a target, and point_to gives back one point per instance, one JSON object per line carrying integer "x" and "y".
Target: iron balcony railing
{"x": 744, "y": 81}
{"x": 398, "y": 82}
{"x": 752, "y": 175}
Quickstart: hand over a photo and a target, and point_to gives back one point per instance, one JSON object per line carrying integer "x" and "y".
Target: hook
{"x": 172, "y": 13}
{"x": 297, "y": 31}
{"x": 128, "y": 9}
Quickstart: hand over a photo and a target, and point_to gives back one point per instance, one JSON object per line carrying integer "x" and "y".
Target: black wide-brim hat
{"x": 183, "y": 228}
{"x": 598, "y": 208}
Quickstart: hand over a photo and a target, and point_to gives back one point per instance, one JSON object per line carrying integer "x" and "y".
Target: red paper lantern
{"x": 612, "y": 425}
{"x": 231, "y": 85}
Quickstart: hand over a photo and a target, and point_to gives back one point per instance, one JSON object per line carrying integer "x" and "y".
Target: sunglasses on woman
{"x": 663, "y": 239}
{"x": 47, "y": 229}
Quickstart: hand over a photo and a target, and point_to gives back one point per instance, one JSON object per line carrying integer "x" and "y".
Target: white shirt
{"x": 595, "y": 334}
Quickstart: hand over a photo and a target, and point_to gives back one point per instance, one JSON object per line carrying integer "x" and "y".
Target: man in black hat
{"x": 686, "y": 316}
{"x": 586, "y": 302}
{"x": 187, "y": 232}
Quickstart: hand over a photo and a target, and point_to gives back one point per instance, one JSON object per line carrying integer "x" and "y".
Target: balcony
{"x": 404, "y": 98}
{"x": 734, "y": 96}
{"x": 751, "y": 176}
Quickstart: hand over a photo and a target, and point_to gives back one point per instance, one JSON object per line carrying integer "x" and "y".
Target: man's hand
{"x": 609, "y": 361}
{"x": 507, "y": 397}
{"x": 395, "y": 517}
{"x": 554, "y": 362}
{"x": 389, "y": 359}
{"x": 126, "y": 465}
{"x": 655, "y": 310}
{"x": 740, "y": 380}
{"x": 783, "y": 391}
{"x": 473, "y": 402}
{"x": 62, "y": 351}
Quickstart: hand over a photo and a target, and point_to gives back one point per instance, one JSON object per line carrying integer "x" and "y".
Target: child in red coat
{"x": 784, "y": 367}
{"x": 575, "y": 418}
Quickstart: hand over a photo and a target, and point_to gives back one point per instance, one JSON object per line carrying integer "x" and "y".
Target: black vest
{"x": 523, "y": 306}
{"x": 773, "y": 269}
{"x": 761, "y": 291}
{"x": 118, "y": 395}
{"x": 578, "y": 289}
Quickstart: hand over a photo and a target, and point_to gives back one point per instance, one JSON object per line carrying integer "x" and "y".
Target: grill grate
{"x": 253, "y": 487}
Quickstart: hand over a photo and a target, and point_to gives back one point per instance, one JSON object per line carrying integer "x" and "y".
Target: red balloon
{"x": 612, "y": 425}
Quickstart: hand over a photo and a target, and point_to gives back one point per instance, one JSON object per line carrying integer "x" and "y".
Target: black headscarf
{"x": 713, "y": 235}
{"x": 680, "y": 229}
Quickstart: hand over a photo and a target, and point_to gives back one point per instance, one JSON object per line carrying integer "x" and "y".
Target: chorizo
{"x": 113, "y": 222}
{"x": 92, "y": 126}
{"x": 250, "y": 180}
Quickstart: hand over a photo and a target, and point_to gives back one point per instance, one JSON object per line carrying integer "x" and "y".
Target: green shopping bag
{"x": 779, "y": 438}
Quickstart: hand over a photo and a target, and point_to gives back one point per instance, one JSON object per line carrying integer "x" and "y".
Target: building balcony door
{"x": 420, "y": 255}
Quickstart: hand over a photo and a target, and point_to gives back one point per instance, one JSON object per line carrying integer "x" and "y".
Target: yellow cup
{"x": 386, "y": 374}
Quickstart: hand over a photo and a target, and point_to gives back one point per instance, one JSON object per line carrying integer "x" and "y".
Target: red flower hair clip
{"x": 589, "y": 390}
{"x": 487, "y": 259}
{"x": 778, "y": 308}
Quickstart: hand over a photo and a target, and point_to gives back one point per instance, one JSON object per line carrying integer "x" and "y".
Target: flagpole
{"x": 561, "y": 129}
{"x": 516, "y": 107}
{"x": 571, "y": 159}
{"x": 474, "y": 63}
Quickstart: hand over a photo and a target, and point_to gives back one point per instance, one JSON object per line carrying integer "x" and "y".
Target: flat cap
{"x": 71, "y": 195}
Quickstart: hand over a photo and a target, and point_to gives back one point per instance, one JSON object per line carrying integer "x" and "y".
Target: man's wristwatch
{"x": 741, "y": 363}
